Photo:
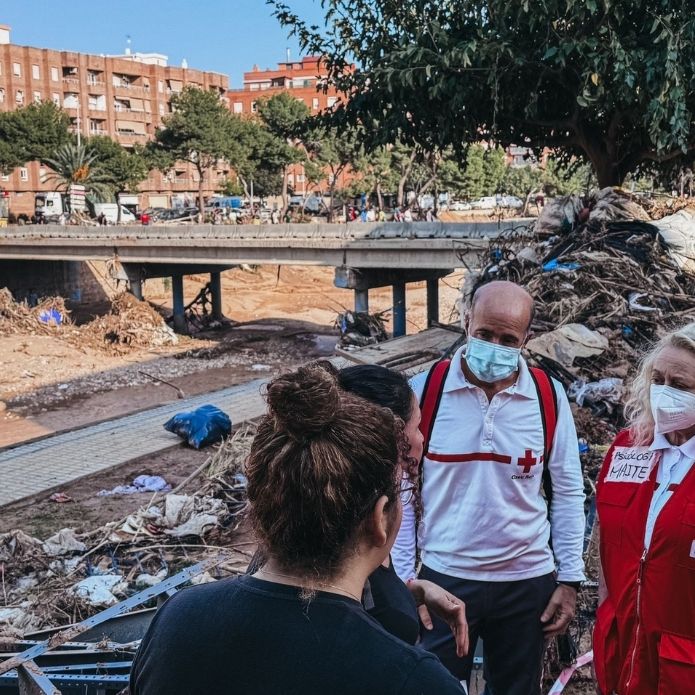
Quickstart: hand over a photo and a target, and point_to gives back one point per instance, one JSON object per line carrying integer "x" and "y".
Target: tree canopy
{"x": 200, "y": 131}
{"x": 610, "y": 81}
{"x": 34, "y": 132}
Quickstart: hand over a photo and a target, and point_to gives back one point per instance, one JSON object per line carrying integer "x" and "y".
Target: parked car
{"x": 511, "y": 201}
{"x": 110, "y": 212}
{"x": 459, "y": 206}
{"x": 487, "y": 202}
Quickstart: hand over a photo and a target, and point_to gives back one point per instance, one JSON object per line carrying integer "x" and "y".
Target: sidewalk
{"x": 39, "y": 466}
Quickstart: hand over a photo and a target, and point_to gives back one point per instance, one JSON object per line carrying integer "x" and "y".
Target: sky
{"x": 227, "y": 36}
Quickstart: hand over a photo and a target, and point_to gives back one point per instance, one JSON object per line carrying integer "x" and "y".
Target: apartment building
{"x": 122, "y": 96}
{"x": 303, "y": 80}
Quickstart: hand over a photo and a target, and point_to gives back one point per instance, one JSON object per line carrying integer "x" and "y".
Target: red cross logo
{"x": 527, "y": 461}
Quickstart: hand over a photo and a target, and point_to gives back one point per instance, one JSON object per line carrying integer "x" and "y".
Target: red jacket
{"x": 644, "y": 638}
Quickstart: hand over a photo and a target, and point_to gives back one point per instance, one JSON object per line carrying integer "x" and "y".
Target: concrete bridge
{"x": 364, "y": 256}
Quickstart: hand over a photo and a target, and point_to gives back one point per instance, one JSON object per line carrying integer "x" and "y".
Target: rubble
{"x": 358, "y": 329}
{"x": 76, "y": 572}
{"x": 607, "y": 282}
{"x": 48, "y": 315}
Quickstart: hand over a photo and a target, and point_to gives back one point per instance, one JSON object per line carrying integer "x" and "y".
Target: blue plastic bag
{"x": 201, "y": 427}
{"x": 51, "y": 317}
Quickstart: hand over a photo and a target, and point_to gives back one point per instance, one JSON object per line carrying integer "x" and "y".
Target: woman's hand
{"x": 430, "y": 597}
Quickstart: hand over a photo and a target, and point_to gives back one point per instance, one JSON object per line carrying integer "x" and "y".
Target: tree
{"x": 285, "y": 118}
{"x": 34, "y": 132}
{"x": 200, "y": 131}
{"x": 125, "y": 168}
{"x": 608, "y": 81}
{"x": 474, "y": 172}
{"x": 330, "y": 154}
{"x": 78, "y": 164}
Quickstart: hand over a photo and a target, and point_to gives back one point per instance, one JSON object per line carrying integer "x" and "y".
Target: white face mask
{"x": 672, "y": 409}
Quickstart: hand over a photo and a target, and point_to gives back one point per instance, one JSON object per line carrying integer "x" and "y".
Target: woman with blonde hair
{"x": 644, "y": 638}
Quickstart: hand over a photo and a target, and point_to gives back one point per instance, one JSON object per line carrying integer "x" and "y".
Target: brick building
{"x": 124, "y": 97}
{"x": 302, "y": 79}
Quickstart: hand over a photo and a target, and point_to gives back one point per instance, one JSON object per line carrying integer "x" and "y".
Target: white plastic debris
{"x": 63, "y": 543}
{"x": 98, "y": 589}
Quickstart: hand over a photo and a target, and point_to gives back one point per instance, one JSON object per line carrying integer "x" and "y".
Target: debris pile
{"x": 75, "y": 573}
{"x": 607, "y": 281}
{"x": 358, "y": 329}
{"x": 130, "y": 323}
{"x": 44, "y": 317}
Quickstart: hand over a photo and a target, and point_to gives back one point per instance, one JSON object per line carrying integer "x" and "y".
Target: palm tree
{"x": 77, "y": 164}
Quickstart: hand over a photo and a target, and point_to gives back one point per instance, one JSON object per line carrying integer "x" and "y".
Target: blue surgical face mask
{"x": 491, "y": 362}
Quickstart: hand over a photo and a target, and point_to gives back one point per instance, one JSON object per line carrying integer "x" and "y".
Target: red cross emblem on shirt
{"x": 527, "y": 460}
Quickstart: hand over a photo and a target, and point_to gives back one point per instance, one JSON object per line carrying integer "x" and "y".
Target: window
{"x": 55, "y": 98}
{"x": 254, "y": 107}
{"x": 19, "y": 96}
{"x": 5, "y": 177}
{"x": 23, "y": 174}
{"x": 16, "y": 69}
{"x": 37, "y": 97}
{"x": 300, "y": 178}
{"x": 35, "y": 72}
{"x": 332, "y": 101}
{"x": 160, "y": 86}
{"x": 238, "y": 107}
{"x": 315, "y": 103}
{"x": 2, "y": 95}
{"x": 54, "y": 74}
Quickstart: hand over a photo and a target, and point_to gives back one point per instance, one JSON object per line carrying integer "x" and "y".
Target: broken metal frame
{"x": 33, "y": 681}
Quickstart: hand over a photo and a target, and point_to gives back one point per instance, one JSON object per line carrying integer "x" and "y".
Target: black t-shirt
{"x": 389, "y": 601}
{"x": 249, "y": 636}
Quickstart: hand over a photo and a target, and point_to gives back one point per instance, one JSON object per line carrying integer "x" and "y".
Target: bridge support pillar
{"x": 216, "y": 291}
{"x": 399, "y": 309}
{"x": 361, "y": 280}
{"x": 362, "y": 300}
{"x": 136, "y": 289}
{"x": 179, "y": 314}
{"x": 432, "y": 300}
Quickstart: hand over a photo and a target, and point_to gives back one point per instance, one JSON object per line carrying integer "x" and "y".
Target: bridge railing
{"x": 318, "y": 231}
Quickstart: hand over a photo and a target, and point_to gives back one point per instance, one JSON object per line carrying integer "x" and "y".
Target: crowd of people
{"x": 398, "y": 523}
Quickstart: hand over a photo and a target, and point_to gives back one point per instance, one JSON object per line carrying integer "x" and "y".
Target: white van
{"x": 110, "y": 212}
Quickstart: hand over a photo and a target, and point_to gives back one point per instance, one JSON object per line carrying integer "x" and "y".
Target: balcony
{"x": 72, "y": 81}
{"x": 131, "y": 90}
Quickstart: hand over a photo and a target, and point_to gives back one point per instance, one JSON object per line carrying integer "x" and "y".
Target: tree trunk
{"x": 201, "y": 200}
{"x": 118, "y": 208}
{"x": 285, "y": 202}
{"x": 379, "y": 195}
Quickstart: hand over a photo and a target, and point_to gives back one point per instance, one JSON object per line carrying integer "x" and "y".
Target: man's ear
{"x": 379, "y": 522}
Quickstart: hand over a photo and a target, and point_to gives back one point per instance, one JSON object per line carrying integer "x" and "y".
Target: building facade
{"x": 302, "y": 79}
{"x": 124, "y": 97}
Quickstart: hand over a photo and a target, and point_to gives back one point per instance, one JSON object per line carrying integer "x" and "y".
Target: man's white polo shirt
{"x": 484, "y": 515}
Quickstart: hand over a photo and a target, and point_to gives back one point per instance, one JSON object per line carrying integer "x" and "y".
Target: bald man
{"x": 485, "y": 531}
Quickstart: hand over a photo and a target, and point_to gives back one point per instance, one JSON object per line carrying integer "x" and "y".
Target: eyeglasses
{"x": 407, "y": 492}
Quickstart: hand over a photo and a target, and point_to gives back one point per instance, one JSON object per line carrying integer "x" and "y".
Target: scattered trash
{"x": 60, "y": 498}
{"x": 63, "y": 543}
{"x": 358, "y": 329}
{"x": 143, "y": 483}
{"x": 98, "y": 589}
{"x": 201, "y": 427}
{"x": 609, "y": 390}
{"x": 51, "y": 317}
{"x": 567, "y": 343}
{"x": 260, "y": 367}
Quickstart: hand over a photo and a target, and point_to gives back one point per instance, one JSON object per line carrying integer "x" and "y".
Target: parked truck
{"x": 49, "y": 207}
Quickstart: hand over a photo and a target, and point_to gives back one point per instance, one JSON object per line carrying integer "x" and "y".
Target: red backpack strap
{"x": 547, "y": 399}
{"x": 429, "y": 401}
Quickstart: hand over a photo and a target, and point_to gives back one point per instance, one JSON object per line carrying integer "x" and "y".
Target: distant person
{"x": 324, "y": 482}
{"x": 429, "y": 216}
{"x": 407, "y": 215}
{"x": 275, "y": 216}
{"x": 381, "y": 215}
{"x": 540, "y": 200}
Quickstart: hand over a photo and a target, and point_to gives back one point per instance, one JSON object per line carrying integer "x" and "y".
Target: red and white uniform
{"x": 644, "y": 638}
{"x": 484, "y": 516}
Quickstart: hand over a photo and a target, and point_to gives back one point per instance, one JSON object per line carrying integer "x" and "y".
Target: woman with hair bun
{"x": 644, "y": 637}
{"x": 324, "y": 479}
